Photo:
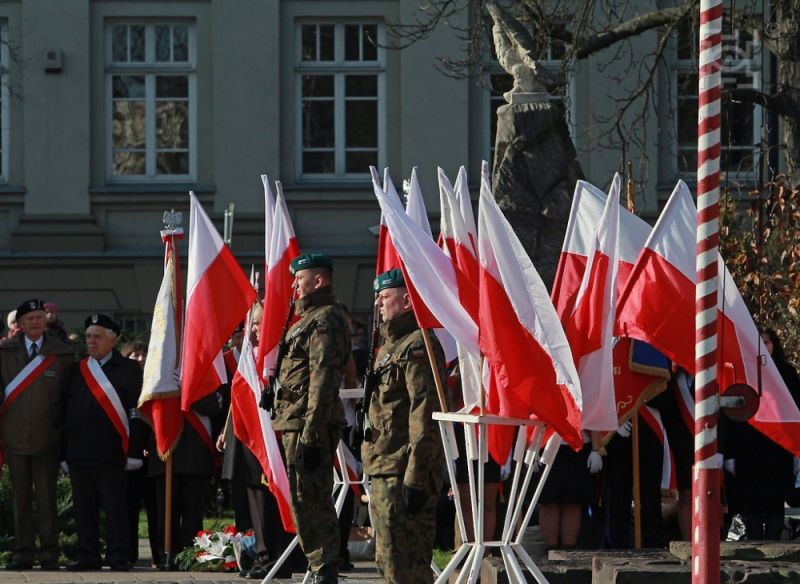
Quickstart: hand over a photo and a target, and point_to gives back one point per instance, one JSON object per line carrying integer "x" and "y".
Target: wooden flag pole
{"x": 435, "y": 369}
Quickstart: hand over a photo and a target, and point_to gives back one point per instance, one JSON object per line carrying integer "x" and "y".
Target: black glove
{"x": 414, "y": 499}
{"x": 265, "y": 403}
{"x": 308, "y": 456}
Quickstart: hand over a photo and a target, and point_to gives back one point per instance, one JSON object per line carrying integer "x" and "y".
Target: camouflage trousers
{"x": 312, "y": 504}
{"x": 403, "y": 543}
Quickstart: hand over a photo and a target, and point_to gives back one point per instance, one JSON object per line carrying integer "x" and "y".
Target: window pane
{"x": 308, "y": 34}
{"x": 163, "y": 43}
{"x": 687, "y": 160}
{"x": 361, "y": 124}
{"x": 172, "y": 86}
{"x": 369, "y": 40}
{"x": 326, "y": 42}
{"x": 172, "y": 163}
{"x": 359, "y": 162}
{"x": 128, "y": 86}
{"x": 128, "y": 163}
{"x": 361, "y": 86}
{"x": 317, "y": 85}
{"x": 119, "y": 43}
{"x": 318, "y": 162}
{"x": 128, "y": 128}
{"x": 318, "y": 128}
{"x": 352, "y": 42}
{"x": 137, "y": 43}
{"x": 687, "y": 121}
{"x": 172, "y": 124}
{"x": 180, "y": 43}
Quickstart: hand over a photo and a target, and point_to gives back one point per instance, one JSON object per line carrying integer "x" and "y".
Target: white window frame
{"x": 5, "y": 96}
{"x": 751, "y": 66}
{"x": 150, "y": 69}
{"x": 339, "y": 68}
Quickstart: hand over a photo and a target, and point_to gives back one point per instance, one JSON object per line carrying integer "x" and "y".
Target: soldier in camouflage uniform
{"x": 402, "y": 450}
{"x": 309, "y": 412}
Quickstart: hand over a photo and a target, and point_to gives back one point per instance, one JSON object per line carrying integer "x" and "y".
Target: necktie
{"x": 34, "y": 350}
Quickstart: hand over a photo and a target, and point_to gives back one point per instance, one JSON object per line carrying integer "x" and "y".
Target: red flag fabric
{"x": 520, "y": 334}
{"x": 218, "y": 296}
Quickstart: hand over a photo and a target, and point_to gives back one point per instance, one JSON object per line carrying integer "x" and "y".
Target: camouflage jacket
{"x": 405, "y": 440}
{"x": 311, "y": 372}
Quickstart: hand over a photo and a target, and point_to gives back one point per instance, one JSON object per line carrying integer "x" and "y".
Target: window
{"x": 5, "y": 100}
{"x": 151, "y": 101}
{"x": 341, "y": 104}
{"x": 741, "y": 122}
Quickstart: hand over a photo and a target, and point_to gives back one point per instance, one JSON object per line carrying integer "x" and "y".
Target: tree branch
{"x": 781, "y": 103}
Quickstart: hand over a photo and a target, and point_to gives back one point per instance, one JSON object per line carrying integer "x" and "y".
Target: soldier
{"x": 308, "y": 410}
{"x": 402, "y": 450}
{"x": 33, "y": 372}
{"x": 101, "y": 442}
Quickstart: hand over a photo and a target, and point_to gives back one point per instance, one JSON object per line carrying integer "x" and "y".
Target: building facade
{"x": 112, "y": 110}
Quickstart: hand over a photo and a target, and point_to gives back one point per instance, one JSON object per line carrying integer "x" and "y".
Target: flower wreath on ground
{"x": 220, "y": 551}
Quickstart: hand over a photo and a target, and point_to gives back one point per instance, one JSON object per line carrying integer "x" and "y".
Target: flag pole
{"x": 171, "y": 233}
{"x": 435, "y": 369}
{"x": 637, "y": 485}
{"x": 706, "y": 475}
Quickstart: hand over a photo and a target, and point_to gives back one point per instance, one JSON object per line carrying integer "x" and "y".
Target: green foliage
{"x": 762, "y": 251}
{"x": 442, "y": 557}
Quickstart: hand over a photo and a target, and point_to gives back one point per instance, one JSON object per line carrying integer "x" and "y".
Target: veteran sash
{"x": 30, "y": 373}
{"x": 105, "y": 394}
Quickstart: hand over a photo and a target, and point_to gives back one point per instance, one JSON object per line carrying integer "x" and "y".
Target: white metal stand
{"x": 527, "y": 457}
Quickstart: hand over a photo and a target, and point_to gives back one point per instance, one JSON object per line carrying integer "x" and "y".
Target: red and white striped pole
{"x": 706, "y": 509}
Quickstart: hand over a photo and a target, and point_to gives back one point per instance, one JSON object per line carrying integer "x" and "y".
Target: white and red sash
{"x": 30, "y": 373}
{"x": 202, "y": 426}
{"x": 105, "y": 394}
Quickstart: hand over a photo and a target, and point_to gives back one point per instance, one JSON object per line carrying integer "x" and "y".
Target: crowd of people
{"x": 78, "y": 412}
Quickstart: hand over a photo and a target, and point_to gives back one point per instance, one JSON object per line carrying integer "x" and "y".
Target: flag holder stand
{"x": 526, "y": 455}
{"x": 341, "y": 483}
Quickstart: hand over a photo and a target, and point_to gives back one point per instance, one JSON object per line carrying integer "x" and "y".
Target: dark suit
{"x": 192, "y": 466}
{"x": 94, "y": 451}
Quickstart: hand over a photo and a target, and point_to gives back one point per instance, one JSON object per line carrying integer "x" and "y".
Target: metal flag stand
{"x": 527, "y": 457}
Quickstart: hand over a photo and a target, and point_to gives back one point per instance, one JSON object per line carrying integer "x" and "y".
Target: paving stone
{"x": 751, "y": 551}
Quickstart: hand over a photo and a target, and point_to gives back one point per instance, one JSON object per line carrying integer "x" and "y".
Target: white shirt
{"x": 29, "y": 343}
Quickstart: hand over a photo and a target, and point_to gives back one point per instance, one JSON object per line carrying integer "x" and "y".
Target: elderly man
{"x": 402, "y": 451}
{"x": 308, "y": 410}
{"x": 101, "y": 401}
{"x": 33, "y": 373}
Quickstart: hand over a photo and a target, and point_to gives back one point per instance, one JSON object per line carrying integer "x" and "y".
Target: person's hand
{"x": 220, "y": 443}
{"x": 730, "y": 466}
{"x": 595, "y": 462}
{"x": 625, "y": 429}
{"x": 308, "y": 456}
{"x": 133, "y": 463}
{"x": 414, "y": 499}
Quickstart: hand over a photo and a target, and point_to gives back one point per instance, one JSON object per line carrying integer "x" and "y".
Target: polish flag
{"x": 657, "y": 305}
{"x": 387, "y": 258}
{"x": 160, "y": 398}
{"x": 590, "y": 327}
{"x": 465, "y": 204}
{"x": 520, "y": 334}
{"x": 429, "y": 270}
{"x": 253, "y": 427}
{"x": 218, "y": 297}
{"x": 281, "y": 250}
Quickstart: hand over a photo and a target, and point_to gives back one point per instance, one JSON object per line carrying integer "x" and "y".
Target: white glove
{"x": 730, "y": 466}
{"x": 64, "y": 466}
{"x": 133, "y": 463}
{"x": 625, "y": 429}
{"x": 595, "y": 462}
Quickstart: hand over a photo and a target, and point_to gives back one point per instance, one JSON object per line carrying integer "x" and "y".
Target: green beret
{"x": 391, "y": 279}
{"x": 308, "y": 261}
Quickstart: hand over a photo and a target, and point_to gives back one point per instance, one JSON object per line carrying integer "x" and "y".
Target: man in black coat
{"x": 101, "y": 398}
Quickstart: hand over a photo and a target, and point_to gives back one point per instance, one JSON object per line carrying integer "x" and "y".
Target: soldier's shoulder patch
{"x": 416, "y": 351}
{"x": 321, "y": 329}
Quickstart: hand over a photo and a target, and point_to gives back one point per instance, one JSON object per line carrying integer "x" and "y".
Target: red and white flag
{"x": 218, "y": 296}
{"x": 253, "y": 427}
{"x": 520, "y": 334}
{"x": 465, "y": 204}
{"x": 657, "y": 305}
{"x": 281, "y": 249}
{"x": 590, "y": 327}
{"x": 160, "y": 400}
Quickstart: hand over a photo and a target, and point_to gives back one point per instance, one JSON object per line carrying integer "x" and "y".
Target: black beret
{"x": 391, "y": 279}
{"x": 103, "y": 321}
{"x": 308, "y": 261}
{"x": 29, "y": 306}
